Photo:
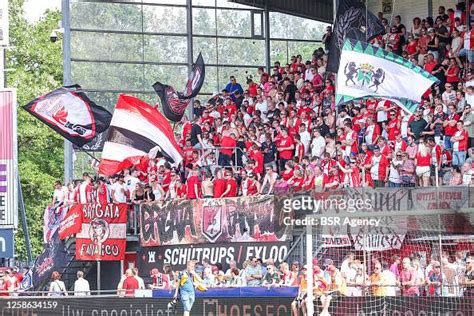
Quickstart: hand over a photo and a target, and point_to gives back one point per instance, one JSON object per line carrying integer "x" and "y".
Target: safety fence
{"x": 277, "y": 306}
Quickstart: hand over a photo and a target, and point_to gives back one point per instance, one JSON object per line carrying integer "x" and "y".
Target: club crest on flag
{"x": 365, "y": 76}
{"x": 212, "y": 220}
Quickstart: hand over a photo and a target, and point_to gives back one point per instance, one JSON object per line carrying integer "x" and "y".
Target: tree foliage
{"x": 37, "y": 69}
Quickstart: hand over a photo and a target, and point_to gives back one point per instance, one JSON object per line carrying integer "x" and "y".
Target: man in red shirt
{"x": 378, "y": 166}
{"x": 7, "y": 285}
{"x": 408, "y": 279}
{"x": 285, "y": 147}
{"x": 228, "y": 143}
{"x": 450, "y": 126}
{"x": 231, "y": 185}
{"x": 102, "y": 193}
{"x": 219, "y": 184}
{"x": 166, "y": 177}
{"x": 393, "y": 126}
{"x": 256, "y": 155}
{"x": 194, "y": 185}
{"x": 130, "y": 284}
{"x": 459, "y": 141}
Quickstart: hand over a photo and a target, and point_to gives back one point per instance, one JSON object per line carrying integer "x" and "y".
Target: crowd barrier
{"x": 234, "y": 306}
{"x": 235, "y": 292}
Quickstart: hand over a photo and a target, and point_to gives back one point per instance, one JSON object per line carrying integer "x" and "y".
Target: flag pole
{"x": 88, "y": 154}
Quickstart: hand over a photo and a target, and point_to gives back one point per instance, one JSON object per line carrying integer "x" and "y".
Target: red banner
{"x": 104, "y": 232}
{"x": 72, "y": 223}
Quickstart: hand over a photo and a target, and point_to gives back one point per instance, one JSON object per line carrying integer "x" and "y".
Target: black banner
{"x": 96, "y": 144}
{"x": 53, "y": 258}
{"x": 175, "y": 103}
{"x": 233, "y": 306}
{"x": 70, "y": 113}
{"x": 177, "y": 256}
{"x": 243, "y": 219}
{"x": 353, "y": 21}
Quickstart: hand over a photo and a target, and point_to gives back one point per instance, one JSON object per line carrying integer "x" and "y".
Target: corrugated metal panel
{"x": 320, "y": 10}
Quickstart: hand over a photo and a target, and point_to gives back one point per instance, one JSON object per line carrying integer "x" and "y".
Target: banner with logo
{"x": 243, "y": 219}
{"x": 72, "y": 222}
{"x": 367, "y": 70}
{"x": 52, "y": 217}
{"x": 70, "y": 113}
{"x": 175, "y": 103}
{"x": 53, "y": 258}
{"x": 104, "y": 232}
{"x": 177, "y": 256}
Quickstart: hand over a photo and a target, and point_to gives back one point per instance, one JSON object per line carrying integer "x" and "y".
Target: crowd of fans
{"x": 284, "y": 132}
{"x": 451, "y": 276}
{"x": 15, "y": 283}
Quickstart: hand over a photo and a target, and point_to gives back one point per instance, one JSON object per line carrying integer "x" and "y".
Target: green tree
{"x": 37, "y": 65}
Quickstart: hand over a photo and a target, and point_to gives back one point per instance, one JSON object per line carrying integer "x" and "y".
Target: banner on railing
{"x": 72, "y": 222}
{"x": 385, "y": 200}
{"x": 244, "y": 219}
{"x": 104, "y": 232}
{"x": 178, "y": 256}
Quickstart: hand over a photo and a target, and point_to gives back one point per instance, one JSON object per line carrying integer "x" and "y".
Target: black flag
{"x": 53, "y": 258}
{"x": 70, "y": 113}
{"x": 175, "y": 103}
{"x": 353, "y": 21}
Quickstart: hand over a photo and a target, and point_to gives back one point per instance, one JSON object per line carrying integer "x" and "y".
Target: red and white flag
{"x": 104, "y": 232}
{"x": 72, "y": 223}
{"x": 137, "y": 129}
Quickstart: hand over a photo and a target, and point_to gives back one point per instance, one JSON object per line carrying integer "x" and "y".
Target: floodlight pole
{"x": 66, "y": 24}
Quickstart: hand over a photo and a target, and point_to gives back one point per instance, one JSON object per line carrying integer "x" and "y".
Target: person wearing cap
{"x": 81, "y": 285}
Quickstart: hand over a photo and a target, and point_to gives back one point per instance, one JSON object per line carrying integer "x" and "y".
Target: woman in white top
{"x": 416, "y": 27}
{"x": 57, "y": 287}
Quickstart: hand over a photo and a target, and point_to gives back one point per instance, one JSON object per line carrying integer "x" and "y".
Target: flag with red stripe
{"x": 72, "y": 223}
{"x": 104, "y": 232}
{"x": 137, "y": 129}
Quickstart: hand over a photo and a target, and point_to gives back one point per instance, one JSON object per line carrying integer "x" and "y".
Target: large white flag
{"x": 369, "y": 71}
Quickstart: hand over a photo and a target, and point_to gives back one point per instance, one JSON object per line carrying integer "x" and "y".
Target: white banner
{"x": 366, "y": 70}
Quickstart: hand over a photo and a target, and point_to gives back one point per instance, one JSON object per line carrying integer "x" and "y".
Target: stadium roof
{"x": 320, "y": 10}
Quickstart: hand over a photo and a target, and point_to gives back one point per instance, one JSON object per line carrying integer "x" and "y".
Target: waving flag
{"x": 354, "y": 21}
{"x": 175, "y": 103}
{"x": 136, "y": 130}
{"x": 70, "y": 113}
{"x": 369, "y": 71}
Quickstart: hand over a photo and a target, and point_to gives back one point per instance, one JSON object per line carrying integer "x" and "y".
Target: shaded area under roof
{"x": 320, "y": 10}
